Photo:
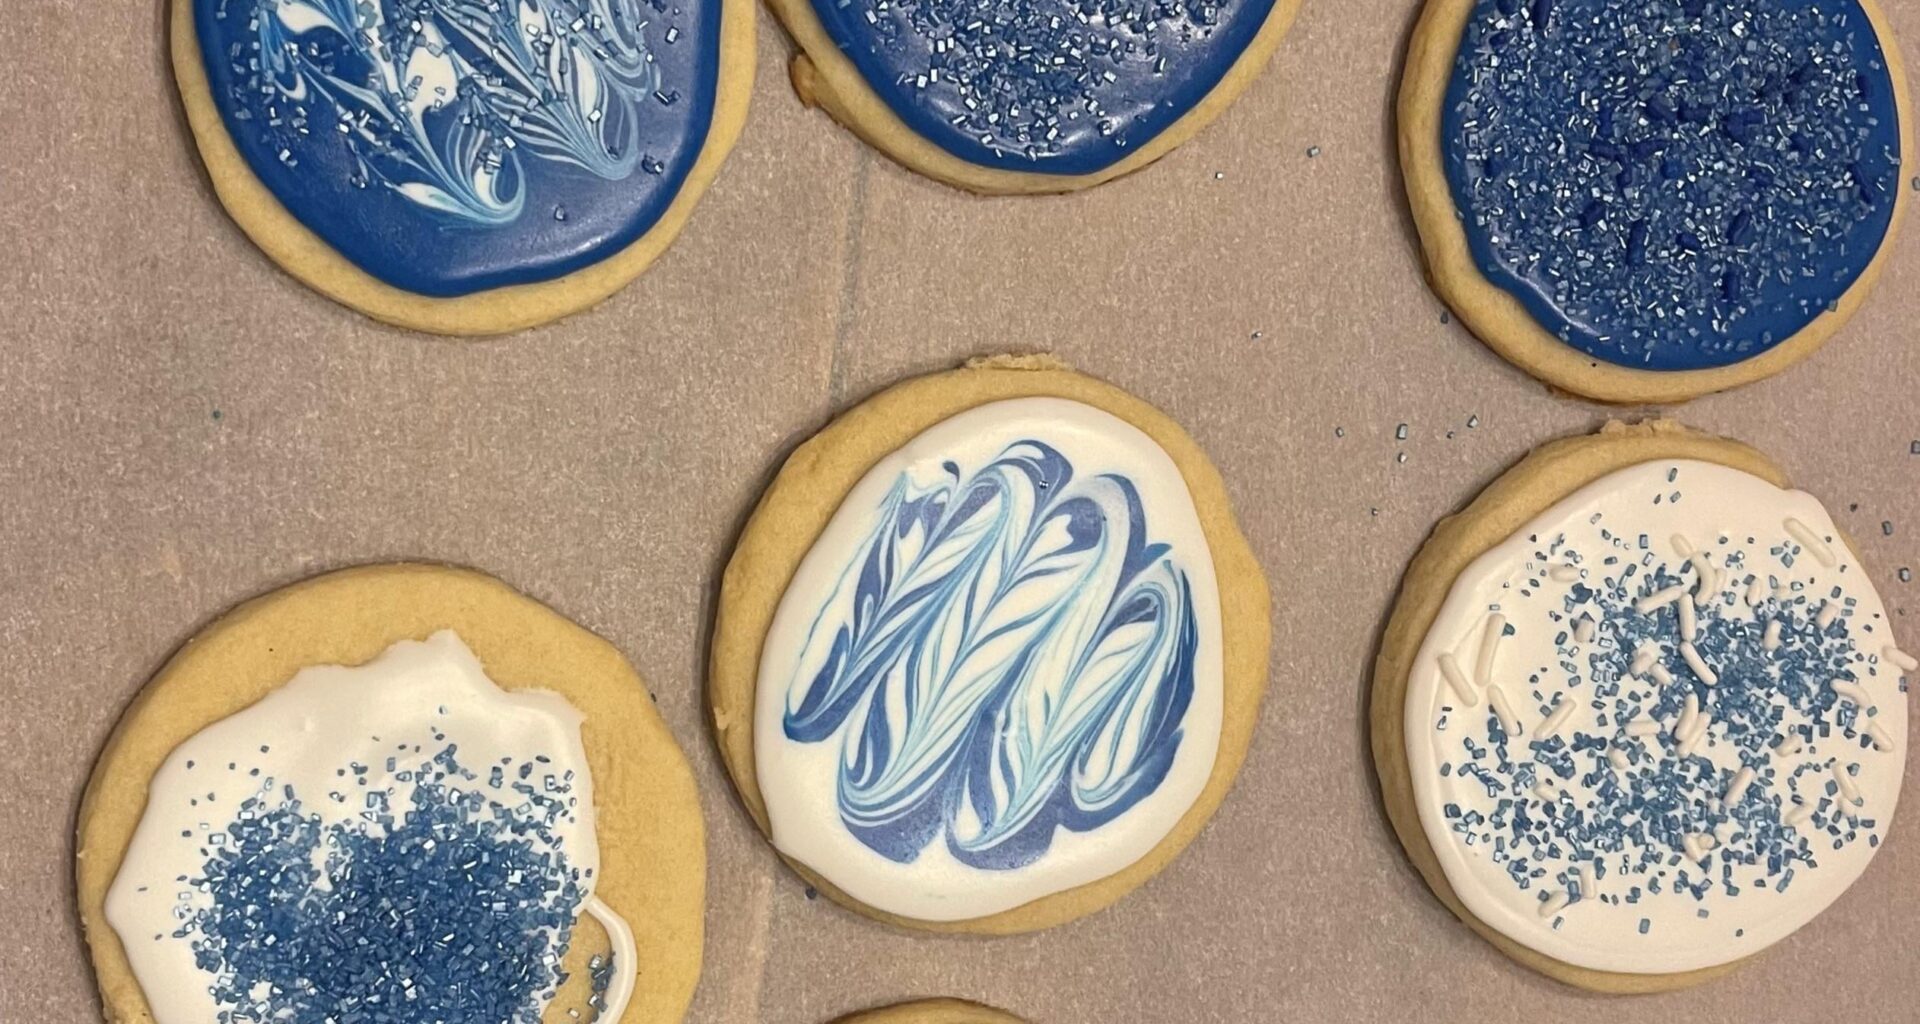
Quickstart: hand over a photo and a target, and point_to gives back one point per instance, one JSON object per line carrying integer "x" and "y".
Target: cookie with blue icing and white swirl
{"x": 1644, "y": 201}
{"x": 1021, "y": 97}
{"x": 1639, "y": 713}
{"x": 989, "y": 653}
{"x": 463, "y": 166}
{"x": 393, "y": 793}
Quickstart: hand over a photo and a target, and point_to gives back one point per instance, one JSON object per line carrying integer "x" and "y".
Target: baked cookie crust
{"x": 933, "y": 1011}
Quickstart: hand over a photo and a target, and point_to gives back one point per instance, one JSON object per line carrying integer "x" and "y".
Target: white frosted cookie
{"x": 1640, "y": 713}
{"x": 1002, "y": 676}
{"x": 396, "y": 789}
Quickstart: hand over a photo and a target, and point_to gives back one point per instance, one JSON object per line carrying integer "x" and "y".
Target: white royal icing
{"x": 1660, "y": 727}
{"x": 997, "y": 673}
{"x": 349, "y": 745}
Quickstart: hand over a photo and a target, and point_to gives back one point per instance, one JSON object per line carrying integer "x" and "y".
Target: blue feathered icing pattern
{"x": 1008, "y": 655}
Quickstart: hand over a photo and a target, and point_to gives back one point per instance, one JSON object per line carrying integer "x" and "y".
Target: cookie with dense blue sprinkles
{"x": 390, "y": 795}
{"x": 989, "y": 653}
{"x": 1639, "y": 713}
{"x": 457, "y": 166}
{"x": 1016, "y": 96}
{"x": 1649, "y": 200}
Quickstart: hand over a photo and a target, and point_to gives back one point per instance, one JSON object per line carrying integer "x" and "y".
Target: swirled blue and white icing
{"x": 447, "y": 146}
{"x": 996, "y": 675}
{"x": 401, "y": 840}
{"x": 1663, "y": 725}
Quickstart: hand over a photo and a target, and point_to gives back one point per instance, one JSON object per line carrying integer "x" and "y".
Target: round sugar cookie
{"x": 990, "y": 651}
{"x": 933, "y": 1011}
{"x": 393, "y": 785}
{"x": 938, "y": 86}
{"x": 1639, "y": 713}
{"x": 1650, "y": 202}
{"x": 458, "y": 167}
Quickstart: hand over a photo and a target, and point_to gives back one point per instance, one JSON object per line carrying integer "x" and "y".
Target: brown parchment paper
{"x": 183, "y": 426}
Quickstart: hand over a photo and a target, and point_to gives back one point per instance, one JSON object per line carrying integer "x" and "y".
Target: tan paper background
{"x": 183, "y": 426}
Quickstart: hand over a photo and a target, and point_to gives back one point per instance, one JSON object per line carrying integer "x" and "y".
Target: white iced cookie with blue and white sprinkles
{"x": 1652, "y": 728}
{"x": 999, "y": 673}
{"x": 401, "y": 838}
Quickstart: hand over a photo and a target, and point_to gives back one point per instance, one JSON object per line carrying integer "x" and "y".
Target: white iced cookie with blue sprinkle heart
{"x": 400, "y": 793}
{"x": 989, "y": 651}
{"x": 1640, "y": 713}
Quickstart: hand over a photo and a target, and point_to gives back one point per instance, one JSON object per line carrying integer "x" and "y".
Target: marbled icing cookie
{"x": 459, "y": 166}
{"x": 990, "y": 651}
{"x": 395, "y": 793}
{"x": 1015, "y": 96}
{"x": 1650, "y": 200}
{"x": 1639, "y": 713}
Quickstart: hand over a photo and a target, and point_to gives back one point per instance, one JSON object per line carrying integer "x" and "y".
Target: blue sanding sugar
{"x": 1635, "y": 821}
{"x": 1672, "y": 184}
{"x": 458, "y": 909}
{"x": 1047, "y": 86}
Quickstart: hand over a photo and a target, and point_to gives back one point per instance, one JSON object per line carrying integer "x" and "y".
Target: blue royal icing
{"x": 1672, "y": 184}
{"x": 452, "y": 146}
{"x": 1064, "y": 87}
{"x": 1010, "y": 654}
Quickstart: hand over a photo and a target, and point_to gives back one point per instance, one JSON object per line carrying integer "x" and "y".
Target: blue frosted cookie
{"x": 461, "y": 166}
{"x": 1646, "y": 200}
{"x": 1016, "y": 96}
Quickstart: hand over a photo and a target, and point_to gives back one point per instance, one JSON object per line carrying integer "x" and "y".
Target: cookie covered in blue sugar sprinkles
{"x": 457, "y": 166}
{"x": 990, "y": 651}
{"x": 394, "y": 793}
{"x": 1639, "y": 713}
{"x": 1651, "y": 200}
{"x": 1019, "y": 96}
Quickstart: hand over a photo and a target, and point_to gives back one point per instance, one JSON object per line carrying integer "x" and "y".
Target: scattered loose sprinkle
{"x": 1691, "y": 655}
{"x": 1489, "y": 646}
{"x": 1551, "y": 724}
{"x": 1660, "y": 598}
{"x": 1852, "y": 692}
{"x": 1450, "y": 671}
{"x": 1814, "y": 545}
{"x": 1497, "y": 699}
{"x": 1738, "y": 787}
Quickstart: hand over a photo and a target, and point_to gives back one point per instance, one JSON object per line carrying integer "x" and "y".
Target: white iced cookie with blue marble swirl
{"x": 990, "y": 651}
{"x": 1640, "y": 714}
{"x": 396, "y": 793}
